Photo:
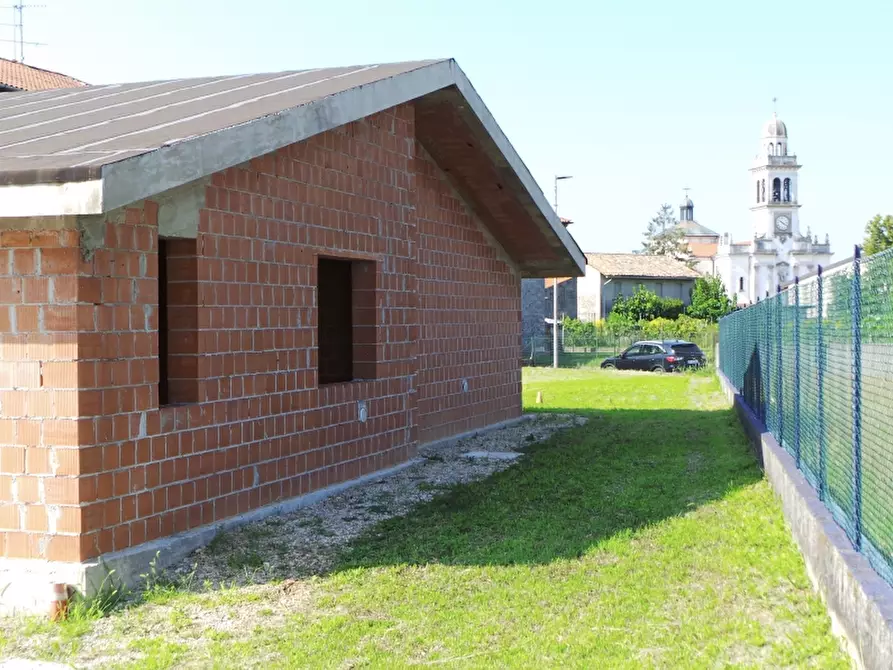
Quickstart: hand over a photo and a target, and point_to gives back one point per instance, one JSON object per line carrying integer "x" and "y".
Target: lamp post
{"x": 555, "y": 287}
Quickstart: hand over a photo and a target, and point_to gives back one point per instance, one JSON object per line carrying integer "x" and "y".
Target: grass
{"x": 645, "y": 539}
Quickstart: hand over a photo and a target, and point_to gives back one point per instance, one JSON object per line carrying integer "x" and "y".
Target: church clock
{"x": 782, "y": 224}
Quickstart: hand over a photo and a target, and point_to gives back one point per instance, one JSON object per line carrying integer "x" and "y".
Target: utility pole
{"x": 555, "y": 287}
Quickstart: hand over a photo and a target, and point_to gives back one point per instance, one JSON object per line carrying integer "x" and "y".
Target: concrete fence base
{"x": 859, "y": 601}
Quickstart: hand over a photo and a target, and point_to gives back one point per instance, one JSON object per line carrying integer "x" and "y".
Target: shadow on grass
{"x": 623, "y": 470}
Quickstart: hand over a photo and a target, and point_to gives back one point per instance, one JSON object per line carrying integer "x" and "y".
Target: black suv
{"x": 658, "y": 356}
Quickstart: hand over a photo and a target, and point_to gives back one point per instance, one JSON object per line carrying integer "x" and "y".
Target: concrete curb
{"x": 129, "y": 564}
{"x": 443, "y": 442}
{"x": 859, "y": 601}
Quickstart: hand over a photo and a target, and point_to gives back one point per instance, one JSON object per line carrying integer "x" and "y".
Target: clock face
{"x": 782, "y": 223}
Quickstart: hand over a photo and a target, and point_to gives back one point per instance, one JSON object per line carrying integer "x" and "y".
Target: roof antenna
{"x": 774, "y": 107}
{"x": 18, "y": 36}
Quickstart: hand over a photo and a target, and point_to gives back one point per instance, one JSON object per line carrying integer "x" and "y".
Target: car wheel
{"x": 658, "y": 369}
{"x": 609, "y": 366}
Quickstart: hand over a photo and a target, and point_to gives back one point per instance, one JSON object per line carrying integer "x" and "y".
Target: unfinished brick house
{"x": 220, "y": 295}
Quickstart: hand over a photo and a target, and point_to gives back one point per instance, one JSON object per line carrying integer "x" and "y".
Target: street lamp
{"x": 555, "y": 286}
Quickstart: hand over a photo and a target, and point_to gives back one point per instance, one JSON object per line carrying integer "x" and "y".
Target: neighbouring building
{"x": 778, "y": 249}
{"x": 701, "y": 241}
{"x": 611, "y": 275}
{"x": 533, "y": 310}
{"x": 16, "y": 76}
{"x": 537, "y": 305}
{"x": 219, "y": 295}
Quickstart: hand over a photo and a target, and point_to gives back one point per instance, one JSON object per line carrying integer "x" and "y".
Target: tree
{"x": 878, "y": 234}
{"x": 709, "y": 300}
{"x": 664, "y": 238}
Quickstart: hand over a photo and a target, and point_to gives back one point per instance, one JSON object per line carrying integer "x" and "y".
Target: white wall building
{"x": 778, "y": 251}
{"x": 609, "y": 276}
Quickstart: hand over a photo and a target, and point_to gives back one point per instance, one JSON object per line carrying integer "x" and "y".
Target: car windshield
{"x": 686, "y": 348}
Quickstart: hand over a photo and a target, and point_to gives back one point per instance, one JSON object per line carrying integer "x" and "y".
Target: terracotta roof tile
{"x": 26, "y": 78}
{"x": 703, "y": 249}
{"x": 561, "y": 280}
{"x": 640, "y": 265}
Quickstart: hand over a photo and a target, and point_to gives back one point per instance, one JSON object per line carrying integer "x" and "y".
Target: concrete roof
{"x": 21, "y": 77}
{"x": 93, "y": 149}
{"x": 640, "y": 265}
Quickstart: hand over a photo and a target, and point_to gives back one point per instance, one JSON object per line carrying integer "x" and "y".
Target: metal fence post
{"x": 797, "y": 371}
{"x": 820, "y": 363}
{"x": 857, "y": 398}
{"x": 778, "y": 386}
{"x": 767, "y": 410}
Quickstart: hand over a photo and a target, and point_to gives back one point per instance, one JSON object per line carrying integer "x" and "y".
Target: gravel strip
{"x": 307, "y": 541}
{"x": 257, "y": 575}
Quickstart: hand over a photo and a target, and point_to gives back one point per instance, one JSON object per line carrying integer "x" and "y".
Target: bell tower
{"x": 774, "y": 185}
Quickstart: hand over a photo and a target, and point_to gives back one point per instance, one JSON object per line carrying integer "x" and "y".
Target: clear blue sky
{"x": 635, "y": 99}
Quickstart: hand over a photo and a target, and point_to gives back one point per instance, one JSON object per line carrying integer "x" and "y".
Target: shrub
{"x": 644, "y": 305}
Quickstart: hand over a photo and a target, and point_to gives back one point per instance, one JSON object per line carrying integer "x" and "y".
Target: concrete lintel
{"x": 39, "y": 200}
{"x": 179, "y": 208}
{"x": 859, "y": 601}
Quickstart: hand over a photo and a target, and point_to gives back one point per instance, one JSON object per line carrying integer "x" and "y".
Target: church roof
{"x": 695, "y": 228}
{"x": 640, "y": 265}
{"x": 775, "y": 127}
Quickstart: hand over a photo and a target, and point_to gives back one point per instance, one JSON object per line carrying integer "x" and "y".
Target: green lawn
{"x": 644, "y": 539}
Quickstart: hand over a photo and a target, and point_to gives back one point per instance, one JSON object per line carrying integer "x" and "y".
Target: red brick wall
{"x": 445, "y": 308}
{"x": 470, "y": 315}
{"x": 40, "y": 489}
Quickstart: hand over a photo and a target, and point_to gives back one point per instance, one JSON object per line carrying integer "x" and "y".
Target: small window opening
{"x": 740, "y": 283}
{"x": 177, "y": 321}
{"x": 346, "y": 312}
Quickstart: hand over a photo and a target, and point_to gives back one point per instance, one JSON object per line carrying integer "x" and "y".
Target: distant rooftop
{"x": 16, "y": 76}
{"x": 640, "y": 265}
{"x": 693, "y": 228}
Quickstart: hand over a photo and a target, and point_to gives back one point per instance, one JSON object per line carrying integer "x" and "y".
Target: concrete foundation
{"x": 26, "y": 584}
{"x": 859, "y": 601}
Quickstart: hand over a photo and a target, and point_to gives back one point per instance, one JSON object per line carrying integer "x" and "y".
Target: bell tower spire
{"x": 687, "y": 208}
{"x": 775, "y": 172}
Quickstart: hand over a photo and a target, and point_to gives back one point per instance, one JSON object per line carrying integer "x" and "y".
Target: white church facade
{"x": 778, "y": 250}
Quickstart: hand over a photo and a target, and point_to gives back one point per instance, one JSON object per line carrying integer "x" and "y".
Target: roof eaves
{"x": 518, "y": 166}
{"x": 100, "y": 189}
{"x": 125, "y": 181}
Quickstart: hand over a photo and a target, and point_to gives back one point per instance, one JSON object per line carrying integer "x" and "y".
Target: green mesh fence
{"x": 815, "y": 364}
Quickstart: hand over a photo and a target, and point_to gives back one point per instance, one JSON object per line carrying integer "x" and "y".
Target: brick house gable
{"x": 208, "y": 293}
